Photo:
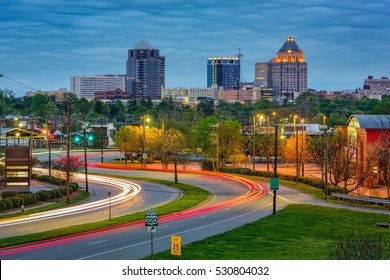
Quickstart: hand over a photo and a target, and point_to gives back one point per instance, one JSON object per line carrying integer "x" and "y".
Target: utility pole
{"x": 101, "y": 139}
{"x": 217, "y": 134}
{"x": 68, "y": 153}
{"x": 254, "y": 143}
{"x": 48, "y": 145}
{"x": 85, "y": 156}
{"x": 326, "y": 159}
{"x": 296, "y": 150}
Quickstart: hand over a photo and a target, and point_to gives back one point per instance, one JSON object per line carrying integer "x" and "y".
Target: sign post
{"x": 151, "y": 221}
{"x": 176, "y": 245}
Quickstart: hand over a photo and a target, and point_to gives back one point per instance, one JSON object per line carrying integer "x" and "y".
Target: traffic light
{"x": 77, "y": 139}
{"x": 91, "y": 137}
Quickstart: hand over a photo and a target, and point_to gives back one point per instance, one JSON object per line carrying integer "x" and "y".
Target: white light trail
{"x": 128, "y": 191}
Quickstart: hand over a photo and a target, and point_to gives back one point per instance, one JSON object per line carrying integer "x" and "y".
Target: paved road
{"x": 234, "y": 203}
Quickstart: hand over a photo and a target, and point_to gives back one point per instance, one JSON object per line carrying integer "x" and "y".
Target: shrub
{"x": 43, "y": 195}
{"x": 63, "y": 190}
{"x": 16, "y": 201}
{"x": 206, "y": 165}
{"x": 8, "y": 203}
{"x": 73, "y": 186}
{"x": 6, "y": 194}
{"x": 56, "y": 193}
{"x": 28, "y": 198}
{"x": 2, "y": 206}
{"x": 52, "y": 180}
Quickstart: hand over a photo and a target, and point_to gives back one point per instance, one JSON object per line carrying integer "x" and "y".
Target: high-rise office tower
{"x": 286, "y": 74}
{"x": 145, "y": 70}
{"x": 223, "y": 71}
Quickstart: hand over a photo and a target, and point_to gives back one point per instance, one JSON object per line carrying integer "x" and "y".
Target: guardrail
{"x": 364, "y": 200}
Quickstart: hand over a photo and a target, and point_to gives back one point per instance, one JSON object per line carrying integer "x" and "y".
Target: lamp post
{"x": 68, "y": 153}
{"x": 144, "y": 155}
{"x": 303, "y": 148}
{"x": 101, "y": 139}
{"x": 85, "y": 158}
{"x": 296, "y": 150}
{"x": 254, "y": 142}
{"x": 49, "y": 146}
{"x": 326, "y": 158}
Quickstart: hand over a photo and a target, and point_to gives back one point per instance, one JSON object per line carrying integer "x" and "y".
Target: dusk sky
{"x": 45, "y": 42}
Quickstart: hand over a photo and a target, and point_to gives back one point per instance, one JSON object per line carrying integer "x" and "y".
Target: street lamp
{"x": 254, "y": 141}
{"x": 326, "y": 158}
{"x": 48, "y": 145}
{"x": 144, "y": 155}
{"x": 296, "y": 149}
{"x": 303, "y": 148}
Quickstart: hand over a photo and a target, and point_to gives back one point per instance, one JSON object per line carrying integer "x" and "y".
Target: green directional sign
{"x": 274, "y": 184}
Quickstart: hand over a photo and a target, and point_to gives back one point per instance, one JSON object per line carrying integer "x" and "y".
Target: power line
{"x": 17, "y": 82}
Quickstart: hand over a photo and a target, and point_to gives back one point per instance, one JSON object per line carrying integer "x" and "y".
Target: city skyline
{"x": 43, "y": 44}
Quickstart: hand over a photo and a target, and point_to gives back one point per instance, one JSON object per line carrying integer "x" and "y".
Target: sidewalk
{"x": 310, "y": 170}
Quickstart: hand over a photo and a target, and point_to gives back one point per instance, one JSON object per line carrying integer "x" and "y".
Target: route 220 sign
{"x": 151, "y": 218}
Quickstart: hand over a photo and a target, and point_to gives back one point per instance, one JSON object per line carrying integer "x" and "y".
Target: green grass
{"x": 192, "y": 196}
{"x": 298, "y": 232}
{"x": 62, "y": 203}
{"x": 315, "y": 192}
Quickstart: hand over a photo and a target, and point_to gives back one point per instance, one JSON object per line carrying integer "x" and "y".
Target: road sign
{"x": 151, "y": 218}
{"x": 274, "y": 184}
{"x": 144, "y": 155}
{"x": 152, "y": 229}
{"x": 176, "y": 245}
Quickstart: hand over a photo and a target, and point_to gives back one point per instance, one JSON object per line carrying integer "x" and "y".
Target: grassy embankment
{"x": 298, "y": 232}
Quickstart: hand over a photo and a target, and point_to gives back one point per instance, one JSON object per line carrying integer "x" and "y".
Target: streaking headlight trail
{"x": 128, "y": 190}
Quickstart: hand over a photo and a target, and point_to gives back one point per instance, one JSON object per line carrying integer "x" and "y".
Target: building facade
{"x": 86, "y": 86}
{"x": 223, "y": 72}
{"x": 286, "y": 73}
{"x": 116, "y": 94}
{"x": 145, "y": 70}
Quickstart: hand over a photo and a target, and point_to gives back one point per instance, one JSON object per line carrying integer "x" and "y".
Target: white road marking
{"x": 96, "y": 242}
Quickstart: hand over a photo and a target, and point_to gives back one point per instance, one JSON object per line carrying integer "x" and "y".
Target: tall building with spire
{"x": 286, "y": 73}
{"x": 145, "y": 71}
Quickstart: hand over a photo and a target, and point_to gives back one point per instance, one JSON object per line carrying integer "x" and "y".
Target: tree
{"x": 231, "y": 141}
{"x": 307, "y": 104}
{"x": 205, "y": 137}
{"x": 345, "y": 171}
{"x": 129, "y": 140}
{"x": 75, "y": 165}
{"x": 305, "y": 143}
{"x": 174, "y": 144}
{"x": 382, "y": 153}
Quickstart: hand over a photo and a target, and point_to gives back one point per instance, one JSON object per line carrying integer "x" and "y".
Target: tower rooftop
{"x": 143, "y": 45}
{"x": 290, "y": 45}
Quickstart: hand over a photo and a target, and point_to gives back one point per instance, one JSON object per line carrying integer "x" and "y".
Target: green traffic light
{"x": 77, "y": 139}
{"x": 90, "y": 138}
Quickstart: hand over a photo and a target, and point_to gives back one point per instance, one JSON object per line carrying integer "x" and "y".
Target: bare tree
{"x": 382, "y": 151}
{"x": 346, "y": 172}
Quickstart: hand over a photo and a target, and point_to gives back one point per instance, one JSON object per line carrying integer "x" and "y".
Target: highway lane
{"x": 93, "y": 210}
{"x": 232, "y": 207}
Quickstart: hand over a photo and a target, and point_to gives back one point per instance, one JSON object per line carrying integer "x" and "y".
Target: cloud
{"x": 63, "y": 38}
